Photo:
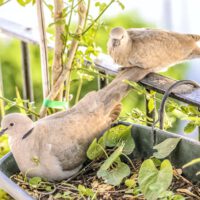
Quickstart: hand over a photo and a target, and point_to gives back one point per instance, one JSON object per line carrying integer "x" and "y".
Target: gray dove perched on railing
{"x": 151, "y": 48}
{"x": 55, "y": 147}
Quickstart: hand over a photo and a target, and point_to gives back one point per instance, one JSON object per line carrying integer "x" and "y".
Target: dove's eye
{"x": 122, "y": 37}
{"x": 12, "y": 124}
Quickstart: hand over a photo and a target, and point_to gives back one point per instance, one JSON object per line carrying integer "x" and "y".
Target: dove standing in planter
{"x": 151, "y": 48}
{"x": 55, "y": 147}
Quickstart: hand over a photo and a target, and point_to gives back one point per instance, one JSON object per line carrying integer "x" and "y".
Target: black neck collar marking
{"x": 27, "y": 134}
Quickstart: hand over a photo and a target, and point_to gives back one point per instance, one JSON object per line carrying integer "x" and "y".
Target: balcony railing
{"x": 153, "y": 81}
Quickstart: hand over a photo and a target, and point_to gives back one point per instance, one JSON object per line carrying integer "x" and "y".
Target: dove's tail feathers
{"x": 119, "y": 86}
{"x": 112, "y": 94}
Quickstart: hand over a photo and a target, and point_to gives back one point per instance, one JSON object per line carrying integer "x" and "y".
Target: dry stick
{"x": 59, "y": 45}
{"x": 67, "y": 68}
{"x": 43, "y": 48}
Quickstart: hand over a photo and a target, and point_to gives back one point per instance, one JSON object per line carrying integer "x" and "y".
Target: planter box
{"x": 145, "y": 139}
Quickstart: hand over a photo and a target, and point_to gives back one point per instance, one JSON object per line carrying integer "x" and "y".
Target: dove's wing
{"x": 152, "y": 48}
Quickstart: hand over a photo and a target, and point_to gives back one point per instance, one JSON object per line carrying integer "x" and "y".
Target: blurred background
{"x": 175, "y": 15}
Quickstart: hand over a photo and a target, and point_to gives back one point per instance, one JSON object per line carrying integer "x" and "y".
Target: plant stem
{"x": 5, "y": 2}
{"x": 79, "y": 89}
{"x": 97, "y": 18}
{"x": 43, "y": 48}
{"x": 130, "y": 161}
{"x": 59, "y": 45}
{"x": 18, "y": 106}
{"x": 71, "y": 54}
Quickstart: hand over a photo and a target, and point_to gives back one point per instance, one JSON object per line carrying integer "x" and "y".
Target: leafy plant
{"x": 153, "y": 182}
{"x": 165, "y": 148}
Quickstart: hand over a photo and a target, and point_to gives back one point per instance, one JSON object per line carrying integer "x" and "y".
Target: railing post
{"x": 2, "y": 111}
{"x": 27, "y": 82}
{"x": 150, "y": 115}
{"x": 199, "y": 128}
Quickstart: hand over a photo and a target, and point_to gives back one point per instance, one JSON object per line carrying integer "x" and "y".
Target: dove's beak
{"x": 115, "y": 42}
{"x": 3, "y": 131}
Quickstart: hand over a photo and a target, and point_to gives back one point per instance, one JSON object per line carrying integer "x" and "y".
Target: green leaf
{"x": 24, "y": 2}
{"x": 1, "y": 2}
{"x": 189, "y": 127}
{"x": 85, "y": 191}
{"x": 178, "y": 197}
{"x": 35, "y": 182}
{"x": 112, "y": 158}
{"x": 154, "y": 182}
{"x": 121, "y": 5}
{"x": 193, "y": 162}
{"x": 130, "y": 183}
{"x": 151, "y": 105}
{"x": 19, "y": 101}
{"x": 116, "y": 174}
{"x": 95, "y": 150}
{"x": 165, "y": 148}
{"x": 120, "y": 135}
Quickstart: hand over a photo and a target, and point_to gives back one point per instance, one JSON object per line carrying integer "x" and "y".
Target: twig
{"x": 79, "y": 89}
{"x": 5, "y": 2}
{"x": 59, "y": 44}
{"x": 18, "y": 106}
{"x": 72, "y": 51}
{"x": 102, "y": 12}
{"x": 43, "y": 48}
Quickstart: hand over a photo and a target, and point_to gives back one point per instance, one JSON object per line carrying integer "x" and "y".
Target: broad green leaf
{"x": 154, "y": 182}
{"x": 35, "y": 181}
{"x": 189, "y": 127}
{"x": 118, "y": 135}
{"x": 94, "y": 150}
{"x": 116, "y": 174}
{"x": 193, "y": 162}
{"x": 165, "y": 148}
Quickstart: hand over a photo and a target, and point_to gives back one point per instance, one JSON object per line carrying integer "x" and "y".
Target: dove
{"x": 55, "y": 147}
{"x": 153, "y": 49}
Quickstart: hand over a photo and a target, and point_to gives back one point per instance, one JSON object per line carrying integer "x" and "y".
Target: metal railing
{"x": 153, "y": 81}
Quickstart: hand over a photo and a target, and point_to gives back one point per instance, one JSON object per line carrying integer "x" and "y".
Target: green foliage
{"x": 87, "y": 192}
{"x": 4, "y": 148}
{"x": 113, "y": 170}
{"x": 24, "y": 2}
{"x": 120, "y": 135}
{"x": 154, "y": 182}
{"x": 193, "y": 162}
{"x": 35, "y": 182}
{"x": 115, "y": 174}
{"x": 165, "y": 148}
{"x": 95, "y": 150}
{"x": 114, "y": 137}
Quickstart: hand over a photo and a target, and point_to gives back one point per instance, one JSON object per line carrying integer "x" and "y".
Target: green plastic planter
{"x": 145, "y": 139}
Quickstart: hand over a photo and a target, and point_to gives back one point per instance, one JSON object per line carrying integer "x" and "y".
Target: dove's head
{"x": 15, "y": 124}
{"x": 118, "y": 36}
